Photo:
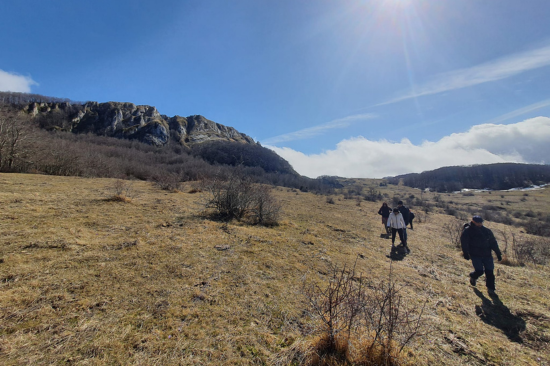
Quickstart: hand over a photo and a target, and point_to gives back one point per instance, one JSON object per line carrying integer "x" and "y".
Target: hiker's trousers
{"x": 401, "y": 237}
{"x": 487, "y": 266}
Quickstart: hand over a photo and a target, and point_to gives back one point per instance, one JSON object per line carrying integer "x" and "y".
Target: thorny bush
{"x": 359, "y": 322}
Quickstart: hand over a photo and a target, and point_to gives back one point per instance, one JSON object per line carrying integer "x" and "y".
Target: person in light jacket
{"x": 397, "y": 225}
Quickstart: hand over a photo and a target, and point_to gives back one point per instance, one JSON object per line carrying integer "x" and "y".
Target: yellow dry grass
{"x": 85, "y": 280}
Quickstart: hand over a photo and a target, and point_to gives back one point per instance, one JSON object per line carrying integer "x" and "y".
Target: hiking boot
{"x": 491, "y": 292}
{"x": 473, "y": 281}
{"x": 408, "y": 250}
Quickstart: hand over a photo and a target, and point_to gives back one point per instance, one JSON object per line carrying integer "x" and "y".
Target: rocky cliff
{"x": 126, "y": 120}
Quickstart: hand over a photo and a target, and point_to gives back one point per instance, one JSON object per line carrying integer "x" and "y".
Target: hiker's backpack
{"x": 464, "y": 227}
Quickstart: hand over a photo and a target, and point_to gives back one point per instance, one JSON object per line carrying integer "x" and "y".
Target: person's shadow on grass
{"x": 397, "y": 254}
{"x": 495, "y": 313}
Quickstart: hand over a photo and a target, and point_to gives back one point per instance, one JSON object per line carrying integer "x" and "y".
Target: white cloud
{"x": 15, "y": 82}
{"x": 310, "y": 132}
{"x": 359, "y": 157}
{"x": 489, "y": 71}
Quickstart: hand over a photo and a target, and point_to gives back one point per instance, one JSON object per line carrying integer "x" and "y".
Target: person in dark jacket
{"x": 478, "y": 242}
{"x": 406, "y": 216}
{"x": 385, "y": 212}
{"x": 411, "y": 218}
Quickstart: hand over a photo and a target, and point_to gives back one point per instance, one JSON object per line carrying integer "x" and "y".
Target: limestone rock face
{"x": 200, "y": 129}
{"x": 142, "y": 122}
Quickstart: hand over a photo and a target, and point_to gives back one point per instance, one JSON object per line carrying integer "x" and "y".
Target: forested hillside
{"x": 56, "y": 136}
{"x": 491, "y": 176}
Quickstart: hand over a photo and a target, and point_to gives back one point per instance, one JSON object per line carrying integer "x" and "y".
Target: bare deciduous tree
{"x": 15, "y": 136}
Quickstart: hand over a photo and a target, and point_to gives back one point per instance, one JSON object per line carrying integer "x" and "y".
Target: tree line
{"x": 499, "y": 176}
{"x": 16, "y": 98}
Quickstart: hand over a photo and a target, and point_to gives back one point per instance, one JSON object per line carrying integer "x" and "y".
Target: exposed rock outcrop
{"x": 126, "y": 120}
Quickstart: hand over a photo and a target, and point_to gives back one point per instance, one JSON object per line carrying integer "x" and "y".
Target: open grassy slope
{"x": 88, "y": 281}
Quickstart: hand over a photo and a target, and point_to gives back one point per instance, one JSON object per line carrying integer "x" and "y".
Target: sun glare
{"x": 398, "y": 3}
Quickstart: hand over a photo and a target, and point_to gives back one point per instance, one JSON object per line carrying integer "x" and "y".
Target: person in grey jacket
{"x": 397, "y": 225}
{"x": 478, "y": 243}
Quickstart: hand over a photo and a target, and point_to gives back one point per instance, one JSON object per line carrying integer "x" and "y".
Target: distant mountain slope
{"x": 133, "y": 141}
{"x": 227, "y": 153}
{"x": 493, "y": 176}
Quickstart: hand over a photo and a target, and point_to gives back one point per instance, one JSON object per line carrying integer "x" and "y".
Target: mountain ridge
{"x": 127, "y": 120}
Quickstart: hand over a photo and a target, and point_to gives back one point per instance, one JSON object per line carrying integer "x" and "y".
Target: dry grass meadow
{"x": 87, "y": 280}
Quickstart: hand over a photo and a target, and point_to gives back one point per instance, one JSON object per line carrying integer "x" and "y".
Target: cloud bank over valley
{"x": 359, "y": 157}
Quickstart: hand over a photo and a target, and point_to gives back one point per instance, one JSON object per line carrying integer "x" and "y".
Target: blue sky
{"x": 353, "y": 88}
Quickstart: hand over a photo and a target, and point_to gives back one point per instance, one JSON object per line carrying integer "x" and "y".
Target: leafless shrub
{"x": 122, "y": 191}
{"x": 265, "y": 209}
{"x": 518, "y": 251}
{"x": 391, "y": 323}
{"x": 236, "y": 197}
{"x": 537, "y": 227}
{"x": 395, "y": 200}
{"x": 358, "y": 322}
{"x": 506, "y": 240}
{"x": 425, "y": 205}
{"x": 453, "y": 230}
{"x": 168, "y": 182}
{"x": 421, "y": 216}
{"x": 231, "y": 197}
{"x": 532, "y": 250}
{"x": 450, "y": 211}
{"x": 373, "y": 195}
{"x": 497, "y": 216}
